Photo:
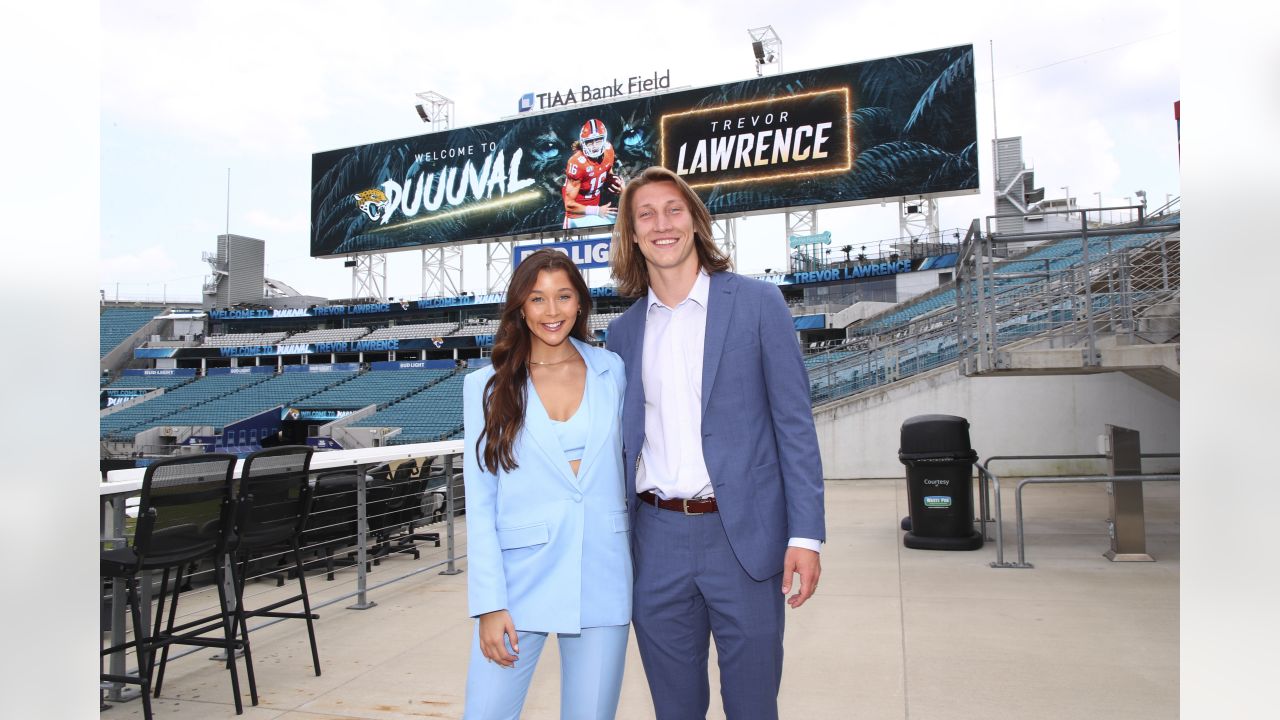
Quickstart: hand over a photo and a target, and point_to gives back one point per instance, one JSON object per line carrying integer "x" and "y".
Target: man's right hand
{"x": 608, "y": 212}
{"x": 494, "y": 627}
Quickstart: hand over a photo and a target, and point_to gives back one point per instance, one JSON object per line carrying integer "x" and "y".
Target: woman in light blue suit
{"x": 548, "y": 547}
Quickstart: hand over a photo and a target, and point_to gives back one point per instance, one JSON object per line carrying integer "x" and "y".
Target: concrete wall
{"x": 917, "y": 283}
{"x": 856, "y": 312}
{"x": 120, "y": 356}
{"x": 1008, "y": 415}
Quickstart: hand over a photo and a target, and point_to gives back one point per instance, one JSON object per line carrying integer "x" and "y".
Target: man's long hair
{"x": 626, "y": 261}
{"x": 504, "y": 395}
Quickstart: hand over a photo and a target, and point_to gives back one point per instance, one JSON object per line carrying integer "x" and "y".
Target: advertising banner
{"x": 160, "y": 372}
{"x": 591, "y": 253}
{"x": 327, "y": 367}
{"x": 115, "y": 396}
{"x": 313, "y": 414}
{"x": 887, "y": 128}
{"x": 413, "y": 365}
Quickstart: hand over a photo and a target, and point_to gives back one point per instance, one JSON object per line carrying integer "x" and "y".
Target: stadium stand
{"x": 126, "y": 423}
{"x": 149, "y": 381}
{"x": 484, "y": 327}
{"x": 600, "y": 321}
{"x": 1048, "y": 258}
{"x": 330, "y": 335}
{"x": 434, "y": 413}
{"x": 377, "y": 387}
{"x": 244, "y": 339}
{"x": 283, "y": 389}
{"x": 427, "y": 330}
{"x": 921, "y": 335}
{"x": 117, "y": 323}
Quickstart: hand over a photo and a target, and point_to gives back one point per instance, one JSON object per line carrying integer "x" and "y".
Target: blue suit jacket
{"x": 758, "y": 437}
{"x": 548, "y": 546}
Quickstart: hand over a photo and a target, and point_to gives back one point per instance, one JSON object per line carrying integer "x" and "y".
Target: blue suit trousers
{"x": 689, "y": 587}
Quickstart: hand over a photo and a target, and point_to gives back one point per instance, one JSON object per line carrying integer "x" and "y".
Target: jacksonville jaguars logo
{"x": 372, "y": 203}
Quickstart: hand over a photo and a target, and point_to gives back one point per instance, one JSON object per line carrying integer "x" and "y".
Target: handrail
{"x": 121, "y": 484}
{"x": 129, "y": 480}
{"x": 1022, "y": 552}
{"x": 984, "y": 473}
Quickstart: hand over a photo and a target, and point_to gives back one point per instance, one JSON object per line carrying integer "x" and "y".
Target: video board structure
{"x": 842, "y": 135}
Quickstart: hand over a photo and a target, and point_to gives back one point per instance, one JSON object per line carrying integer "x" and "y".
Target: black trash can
{"x": 939, "y": 460}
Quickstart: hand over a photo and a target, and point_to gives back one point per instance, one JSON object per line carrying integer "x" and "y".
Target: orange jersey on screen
{"x": 591, "y": 175}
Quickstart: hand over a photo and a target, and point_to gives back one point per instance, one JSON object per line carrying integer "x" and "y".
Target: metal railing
{"x": 1122, "y": 282}
{"x": 988, "y": 479}
{"x": 382, "y": 528}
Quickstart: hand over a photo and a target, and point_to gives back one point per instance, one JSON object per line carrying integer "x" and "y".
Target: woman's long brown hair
{"x": 504, "y": 394}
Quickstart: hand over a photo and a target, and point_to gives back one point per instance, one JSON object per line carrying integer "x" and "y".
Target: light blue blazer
{"x": 550, "y": 547}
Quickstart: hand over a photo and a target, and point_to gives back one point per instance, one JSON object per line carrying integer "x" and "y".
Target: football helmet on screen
{"x": 593, "y": 137}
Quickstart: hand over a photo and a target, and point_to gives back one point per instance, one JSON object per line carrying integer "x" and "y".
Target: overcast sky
{"x": 191, "y": 89}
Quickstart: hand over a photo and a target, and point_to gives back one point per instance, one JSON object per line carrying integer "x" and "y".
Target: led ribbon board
{"x": 843, "y": 135}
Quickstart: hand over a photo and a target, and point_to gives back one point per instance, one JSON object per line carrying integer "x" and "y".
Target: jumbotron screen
{"x": 857, "y": 133}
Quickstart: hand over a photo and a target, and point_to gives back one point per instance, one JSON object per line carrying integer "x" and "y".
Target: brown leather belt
{"x": 688, "y": 507}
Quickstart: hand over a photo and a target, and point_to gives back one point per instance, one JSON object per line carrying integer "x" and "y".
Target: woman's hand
{"x": 493, "y": 627}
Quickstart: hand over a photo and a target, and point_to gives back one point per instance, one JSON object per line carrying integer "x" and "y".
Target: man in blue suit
{"x": 724, "y": 481}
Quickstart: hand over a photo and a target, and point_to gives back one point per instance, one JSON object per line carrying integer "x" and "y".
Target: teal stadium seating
{"x": 837, "y": 374}
{"x": 125, "y": 424}
{"x": 434, "y": 413}
{"x": 283, "y": 389}
{"x": 117, "y": 323}
{"x": 377, "y": 387}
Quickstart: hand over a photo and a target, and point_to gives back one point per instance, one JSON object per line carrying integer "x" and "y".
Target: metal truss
{"x": 766, "y": 46}
{"x": 369, "y": 276}
{"x": 498, "y": 264}
{"x": 918, "y": 220}
{"x": 724, "y": 233}
{"x": 441, "y": 272}
{"x": 802, "y": 223}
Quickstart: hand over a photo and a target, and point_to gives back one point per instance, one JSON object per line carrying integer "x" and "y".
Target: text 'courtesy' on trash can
{"x": 939, "y": 460}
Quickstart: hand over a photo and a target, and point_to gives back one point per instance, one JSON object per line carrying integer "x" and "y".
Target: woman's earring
{"x": 579, "y": 312}
{"x": 521, "y": 314}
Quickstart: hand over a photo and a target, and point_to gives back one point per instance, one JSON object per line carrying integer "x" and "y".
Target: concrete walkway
{"x": 893, "y": 633}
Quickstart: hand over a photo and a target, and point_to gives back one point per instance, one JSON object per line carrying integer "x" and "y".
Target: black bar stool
{"x": 273, "y": 504}
{"x": 183, "y": 517}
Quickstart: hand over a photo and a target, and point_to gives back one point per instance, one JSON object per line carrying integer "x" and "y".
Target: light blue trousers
{"x": 590, "y": 675}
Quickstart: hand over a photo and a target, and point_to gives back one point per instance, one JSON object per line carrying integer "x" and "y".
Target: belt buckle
{"x": 684, "y": 506}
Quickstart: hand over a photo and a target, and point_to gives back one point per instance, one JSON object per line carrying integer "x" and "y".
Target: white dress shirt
{"x": 671, "y": 461}
{"x": 671, "y": 464}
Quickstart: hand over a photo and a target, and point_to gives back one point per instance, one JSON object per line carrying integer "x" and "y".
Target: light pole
{"x": 1066, "y": 190}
